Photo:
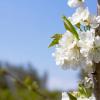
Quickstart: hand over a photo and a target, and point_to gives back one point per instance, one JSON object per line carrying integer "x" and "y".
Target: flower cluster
{"x": 84, "y": 92}
{"x": 79, "y": 46}
{"x": 66, "y": 97}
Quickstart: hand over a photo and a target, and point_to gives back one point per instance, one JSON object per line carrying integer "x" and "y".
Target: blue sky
{"x": 25, "y": 30}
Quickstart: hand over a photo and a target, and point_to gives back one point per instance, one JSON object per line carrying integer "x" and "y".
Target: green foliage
{"x": 70, "y": 27}
{"x": 23, "y": 94}
{"x": 83, "y": 91}
{"x": 28, "y": 81}
{"x": 56, "y": 38}
{"x": 71, "y": 96}
{"x": 27, "y": 85}
{"x": 78, "y": 25}
{"x": 80, "y": 0}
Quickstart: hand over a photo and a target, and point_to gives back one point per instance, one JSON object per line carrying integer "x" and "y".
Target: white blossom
{"x": 86, "y": 44}
{"x": 65, "y": 96}
{"x": 72, "y": 53}
{"x": 90, "y": 98}
{"x": 80, "y": 16}
{"x": 86, "y": 41}
{"x": 90, "y": 46}
{"x": 96, "y": 52}
{"x": 98, "y": 19}
{"x": 75, "y": 3}
{"x": 88, "y": 82}
{"x": 67, "y": 53}
{"x": 94, "y": 21}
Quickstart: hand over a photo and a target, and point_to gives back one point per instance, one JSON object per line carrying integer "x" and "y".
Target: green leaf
{"x": 35, "y": 85}
{"x": 56, "y": 39}
{"x": 72, "y": 97}
{"x": 57, "y": 36}
{"x": 70, "y": 27}
{"x": 82, "y": 90}
{"x": 86, "y": 92}
{"x": 80, "y": 0}
{"x": 78, "y": 25}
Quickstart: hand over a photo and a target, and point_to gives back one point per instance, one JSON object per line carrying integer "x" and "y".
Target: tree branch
{"x": 96, "y": 77}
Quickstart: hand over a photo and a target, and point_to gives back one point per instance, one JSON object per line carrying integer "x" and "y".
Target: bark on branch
{"x": 96, "y": 76}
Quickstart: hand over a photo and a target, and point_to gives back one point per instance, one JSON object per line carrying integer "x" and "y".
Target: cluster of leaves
{"x": 56, "y": 39}
{"x": 69, "y": 27}
{"x": 83, "y": 92}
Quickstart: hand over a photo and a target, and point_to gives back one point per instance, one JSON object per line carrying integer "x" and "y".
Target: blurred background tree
{"x": 13, "y": 89}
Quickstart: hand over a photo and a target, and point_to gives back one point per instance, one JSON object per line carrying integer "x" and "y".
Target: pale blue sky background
{"x": 25, "y": 30}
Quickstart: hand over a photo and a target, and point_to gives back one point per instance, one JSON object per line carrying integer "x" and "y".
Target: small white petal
{"x": 65, "y": 96}
{"x": 75, "y": 3}
{"x": 81, "y": 15}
